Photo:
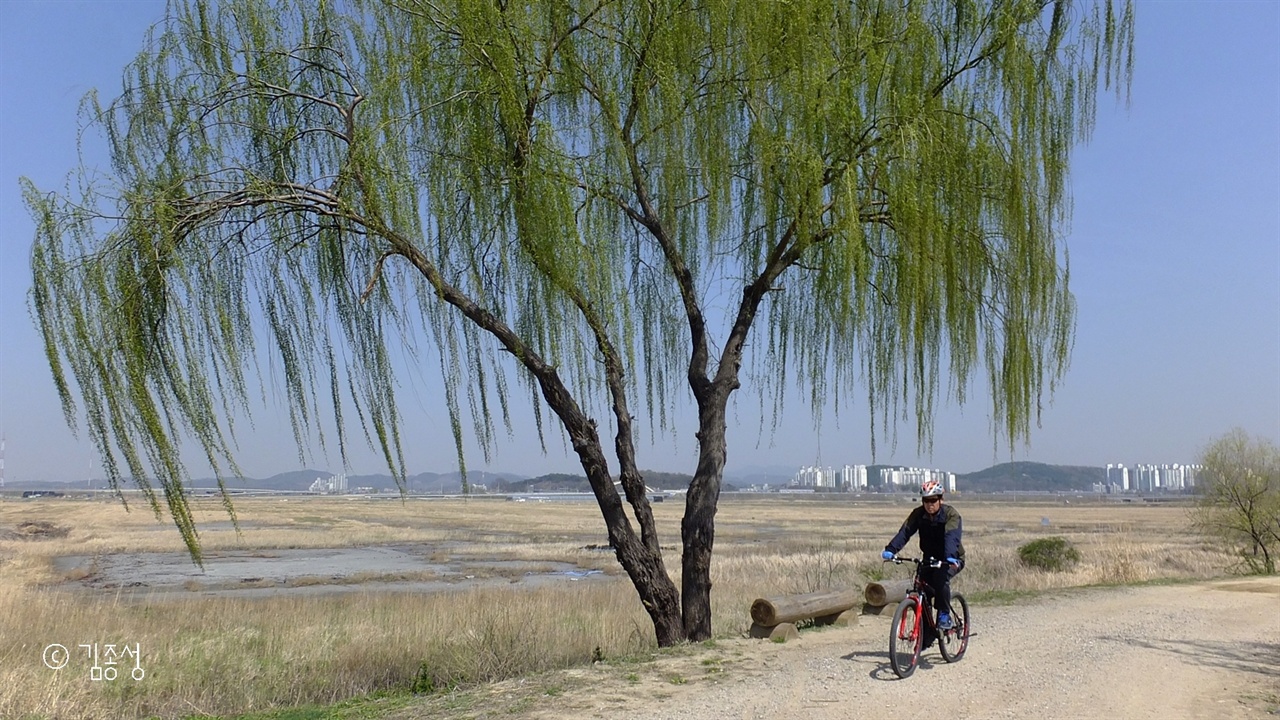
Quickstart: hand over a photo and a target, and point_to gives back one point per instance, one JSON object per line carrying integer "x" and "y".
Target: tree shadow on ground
{"x": 1255, "y": 657}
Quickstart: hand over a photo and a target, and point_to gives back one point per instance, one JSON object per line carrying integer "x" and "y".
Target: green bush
{"x": 1051, "y": 554}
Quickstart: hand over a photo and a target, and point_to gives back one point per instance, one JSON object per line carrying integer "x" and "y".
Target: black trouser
{"x": 939, "y": 580}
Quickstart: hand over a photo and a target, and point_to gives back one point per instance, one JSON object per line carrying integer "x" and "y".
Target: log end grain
{"x": 764, "y": 613}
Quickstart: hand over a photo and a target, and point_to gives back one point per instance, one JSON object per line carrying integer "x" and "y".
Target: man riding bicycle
{"x": 939, "y": 528}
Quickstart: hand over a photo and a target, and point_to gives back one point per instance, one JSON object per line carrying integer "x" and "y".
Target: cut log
{"x": 781, "y": 632}
{"x": 790, "y": 608}
{"x": 888, "y": 592}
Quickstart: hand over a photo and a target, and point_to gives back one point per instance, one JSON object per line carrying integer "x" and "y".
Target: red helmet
{"x": 930, "y": 488}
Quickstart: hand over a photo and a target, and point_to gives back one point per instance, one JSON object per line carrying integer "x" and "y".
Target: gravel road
{"x": 1203, "y": 651}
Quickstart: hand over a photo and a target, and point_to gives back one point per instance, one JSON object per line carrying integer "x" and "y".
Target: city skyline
{"x": 1146, "y": 477}
{"x": 1174, "y": 252}
{"x": 829, "y": 475}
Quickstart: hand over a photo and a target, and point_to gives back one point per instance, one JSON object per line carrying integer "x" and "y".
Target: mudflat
{"x": 302, "y": 571}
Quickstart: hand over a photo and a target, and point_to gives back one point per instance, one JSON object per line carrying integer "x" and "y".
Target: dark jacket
{"x": 939, "y": 534}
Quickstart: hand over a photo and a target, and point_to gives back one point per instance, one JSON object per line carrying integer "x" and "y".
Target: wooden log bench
{"x": 882, "y": 597}
{"x": 776, "y": 617}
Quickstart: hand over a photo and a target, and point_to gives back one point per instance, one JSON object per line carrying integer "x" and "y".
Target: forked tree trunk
{"x": 698, "y": 529}
{"x": 658, "y": 594}
{"x": 648, "y": 573}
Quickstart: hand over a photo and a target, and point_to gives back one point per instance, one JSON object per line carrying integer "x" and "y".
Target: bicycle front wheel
{"x": 955, "y": 641}
{"x": 904, "y": 638}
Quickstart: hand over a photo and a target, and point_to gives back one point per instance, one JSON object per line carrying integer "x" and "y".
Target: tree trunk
{"x": 657, "y": 593}
{"x": 642, "y": 563}
{"x": 698, "y": 529}
{"x": 648, "y": 573}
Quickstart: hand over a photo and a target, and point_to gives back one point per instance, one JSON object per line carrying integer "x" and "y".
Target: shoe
{"x": 944, "y": 621}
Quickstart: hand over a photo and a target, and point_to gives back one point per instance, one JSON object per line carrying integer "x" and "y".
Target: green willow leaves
{"x": 609, "y": 193}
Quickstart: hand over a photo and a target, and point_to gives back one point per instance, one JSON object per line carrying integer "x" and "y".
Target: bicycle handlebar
{"x": 930, "y": 562}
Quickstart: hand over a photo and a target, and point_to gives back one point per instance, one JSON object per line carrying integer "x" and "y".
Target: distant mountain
{"x": 293, "y": 480}
{"x": 427, "y": 482}
{"x": 1031, "y": 476}
{"x": 562, "y": 482}
{"x": 451, "y": 482}
{"x": 760, "y": 475}
{"x": 554, "y": 482}
{"x": 668, "y": 481}
{"x": 1014, "y": 476}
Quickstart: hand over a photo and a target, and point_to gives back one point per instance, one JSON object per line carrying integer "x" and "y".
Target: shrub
{"x": 1051, "y": 554}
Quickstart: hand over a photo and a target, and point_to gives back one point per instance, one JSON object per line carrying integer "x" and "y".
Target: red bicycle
{"x": 914, "y": 620}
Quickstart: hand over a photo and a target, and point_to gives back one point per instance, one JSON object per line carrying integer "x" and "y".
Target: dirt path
{"x": 1208, "y": 651}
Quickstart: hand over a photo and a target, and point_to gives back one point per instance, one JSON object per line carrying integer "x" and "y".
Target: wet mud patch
{"x": 304, "y": 571}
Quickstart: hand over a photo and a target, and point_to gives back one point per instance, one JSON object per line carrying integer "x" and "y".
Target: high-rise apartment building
{"x": 853, "y": 477}
{"x": 849, "y": 477}
{"x": 1148, "y": 478}
{"x": 1117, "y": 478}
{"x": 905, "y": 478}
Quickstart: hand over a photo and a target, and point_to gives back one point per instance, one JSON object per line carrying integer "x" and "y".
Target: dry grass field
{"x": 211, "y": 655}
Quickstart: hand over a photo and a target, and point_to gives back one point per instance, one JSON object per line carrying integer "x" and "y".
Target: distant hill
{"x": 561, "y": 482}
{"x": 427, "y": 482}
{"x": 554, "y": 482}
{"x": 760, "y": 475}
{"x": 1031, "y": 476}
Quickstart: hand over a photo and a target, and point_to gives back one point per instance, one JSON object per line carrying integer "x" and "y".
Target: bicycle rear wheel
{"x": 904, "y": 638}
{"x": 955, "y": 641}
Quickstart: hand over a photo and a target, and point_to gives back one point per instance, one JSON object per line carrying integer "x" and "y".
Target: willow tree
{"x": 600, "y": 199}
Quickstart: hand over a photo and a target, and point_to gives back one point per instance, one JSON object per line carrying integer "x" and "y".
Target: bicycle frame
{"x": 920, "y": 590}
{"x": 924, "y": 615}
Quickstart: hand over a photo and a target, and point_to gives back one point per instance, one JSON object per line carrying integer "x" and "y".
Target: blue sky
{"x": 1175, "y": 259}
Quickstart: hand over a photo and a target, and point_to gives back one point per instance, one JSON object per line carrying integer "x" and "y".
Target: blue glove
{"x": 953, "y": 561}
{"x": 886, "y": 555}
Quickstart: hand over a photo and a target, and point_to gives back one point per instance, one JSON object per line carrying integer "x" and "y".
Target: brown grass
{"x": 216, "y": 655}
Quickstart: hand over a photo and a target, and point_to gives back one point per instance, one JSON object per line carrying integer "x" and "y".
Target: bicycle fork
{"x": 913, "y": 629}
